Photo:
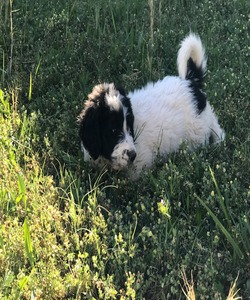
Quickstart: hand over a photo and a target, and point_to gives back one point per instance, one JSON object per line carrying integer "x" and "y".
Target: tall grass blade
{"x": 30, "y": 88}
{"x": 223, "y": 229}
{"x": 23, "y": 282}
{"x": 38, "y": 67}
{"x": 28, "y": 243}
{"x": 72, "y": 209}
{"x": 3, "y": 68}
{"x": 221, "y": 199}
{"x": 1, "y": 242}
{"x": 113, "y": 20}
{"x": 22, "y": 191}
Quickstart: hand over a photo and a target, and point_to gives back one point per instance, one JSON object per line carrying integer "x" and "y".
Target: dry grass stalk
{"x": 232, "y": 294}
{"x": 188, "y": 288}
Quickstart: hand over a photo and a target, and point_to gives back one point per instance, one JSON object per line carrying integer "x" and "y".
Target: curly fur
{"x": 130, "y": 131}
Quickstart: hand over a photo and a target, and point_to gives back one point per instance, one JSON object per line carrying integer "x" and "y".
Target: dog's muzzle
{"x": 123, "y": 159}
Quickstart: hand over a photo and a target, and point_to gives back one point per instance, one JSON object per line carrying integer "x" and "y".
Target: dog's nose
{"x": 131, "y": 155}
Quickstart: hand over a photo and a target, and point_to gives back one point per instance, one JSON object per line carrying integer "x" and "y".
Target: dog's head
{"x": 106, "y": 126}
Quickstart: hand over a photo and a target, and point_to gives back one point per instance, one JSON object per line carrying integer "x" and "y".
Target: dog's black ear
{"x": 130, "y": 116}
{"x": 89, "y": 131}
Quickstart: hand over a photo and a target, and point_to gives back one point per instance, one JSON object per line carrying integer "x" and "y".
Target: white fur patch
{"x": 191, "y": 47}
{"x": 166, "y": 113}
{"x": 112, "y": 97}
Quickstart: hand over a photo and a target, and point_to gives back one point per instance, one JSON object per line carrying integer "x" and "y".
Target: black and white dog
{"x": 124, "y": 130}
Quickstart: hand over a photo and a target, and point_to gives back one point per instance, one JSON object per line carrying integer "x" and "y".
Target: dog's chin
{"x": 119, "y": 165}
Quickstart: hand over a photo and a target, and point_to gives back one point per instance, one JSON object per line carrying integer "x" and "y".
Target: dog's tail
{"x": 191, "y": 59}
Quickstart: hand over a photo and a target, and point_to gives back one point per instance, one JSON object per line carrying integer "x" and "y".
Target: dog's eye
{"x": 114, "y": 131}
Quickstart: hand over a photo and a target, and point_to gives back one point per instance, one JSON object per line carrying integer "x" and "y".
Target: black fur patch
{"x": 199, "y": 98}
{"x": 101, "y": 128}
{"x": 196, "y": 77}
{"x": 129, "y": 116}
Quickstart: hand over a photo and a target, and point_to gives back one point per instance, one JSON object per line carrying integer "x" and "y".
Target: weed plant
{"x": 71, "y": 232}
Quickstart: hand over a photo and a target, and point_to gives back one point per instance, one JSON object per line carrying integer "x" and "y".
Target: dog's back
{"x": 175, "y": 109}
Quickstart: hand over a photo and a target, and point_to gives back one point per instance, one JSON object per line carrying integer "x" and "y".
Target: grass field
{"x": 70, "y": 232}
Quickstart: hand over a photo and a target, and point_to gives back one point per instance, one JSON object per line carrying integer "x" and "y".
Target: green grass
{"x": 71, "y": 232}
